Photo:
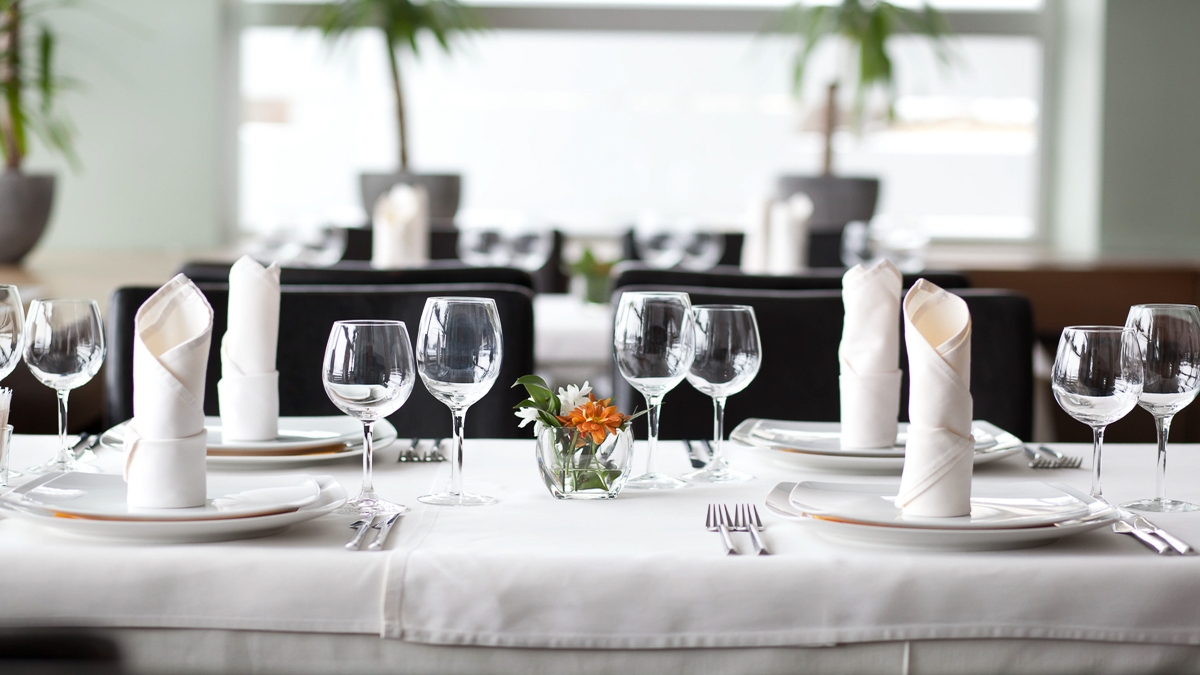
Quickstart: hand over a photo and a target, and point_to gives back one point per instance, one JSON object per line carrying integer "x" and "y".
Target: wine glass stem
{"x": 1163, "y": 425}
{"x": 653, "y": 408}
{"x": 368, "y": 484}
{"x": 1097, "y": 446}
{"x": 64, "y": 452}
{"x": 460, "y": 421}
{"x": 717, "y": 463}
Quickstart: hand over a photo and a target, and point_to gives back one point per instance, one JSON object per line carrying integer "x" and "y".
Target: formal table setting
{"x": 779, "y": 533}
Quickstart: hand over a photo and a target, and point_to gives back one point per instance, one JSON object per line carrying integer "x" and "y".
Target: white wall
{"x": 149, "y": 126}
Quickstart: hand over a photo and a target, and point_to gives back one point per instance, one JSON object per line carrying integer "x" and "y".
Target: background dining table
{"x": 636, "y": 583}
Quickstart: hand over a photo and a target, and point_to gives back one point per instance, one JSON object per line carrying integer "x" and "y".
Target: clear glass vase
{"x": 573, "y": 466}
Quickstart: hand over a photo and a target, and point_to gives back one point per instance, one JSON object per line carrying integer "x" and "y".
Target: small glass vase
{"x": 573, "y": 466}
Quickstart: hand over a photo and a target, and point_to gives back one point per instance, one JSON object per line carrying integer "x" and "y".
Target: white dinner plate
{"x": 103, "y": 495}
{"x": 332, "y": 496}
{"x": 826, "y": 438}
{"x": 295, "y": 434}
{"x": 1099, "y": 515}
{"x": 1000, "y": 444}
{"x": 993, "y": 505}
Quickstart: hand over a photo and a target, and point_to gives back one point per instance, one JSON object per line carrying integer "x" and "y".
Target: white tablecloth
{"x": 637, "y": 572}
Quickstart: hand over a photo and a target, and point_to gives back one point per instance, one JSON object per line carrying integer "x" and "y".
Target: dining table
{"x": 634, "y": 584}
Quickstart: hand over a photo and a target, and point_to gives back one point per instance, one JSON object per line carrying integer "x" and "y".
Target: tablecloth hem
{"x": 205, "y": 623}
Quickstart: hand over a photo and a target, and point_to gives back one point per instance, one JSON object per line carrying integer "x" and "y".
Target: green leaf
{"x": 531, "y": 379}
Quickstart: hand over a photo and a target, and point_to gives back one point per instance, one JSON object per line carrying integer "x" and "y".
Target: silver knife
{"x": 385, "y": 529}
{"x": 1123, "y": 526}
{"x": 693, "y": 455}
{"x": 356, "y": 543}
{"x": 1176, "y": 543}
{"x": 87, "y": 442}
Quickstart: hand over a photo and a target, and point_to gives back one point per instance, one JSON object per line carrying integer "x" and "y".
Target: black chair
{"x": 800, "y": 333}
{"x": 634, "y": 274}
{"x": 361, "y": 273}
{"x": 306, "y": 315}
{"x": 732, "y": 255}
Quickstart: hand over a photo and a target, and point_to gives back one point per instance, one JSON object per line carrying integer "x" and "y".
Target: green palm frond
{"x": 402, "y": 21}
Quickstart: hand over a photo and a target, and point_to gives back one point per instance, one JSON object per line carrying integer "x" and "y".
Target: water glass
{"x": 6, "y": 456}
{"x": 459, "y": 351}
{"x": 1097, "y": 379}
{"x": 728, "y": 354}
{"x": 368, "y": 374}
{"x": 655, "y": 344}
{"x": 1169, "y": 337}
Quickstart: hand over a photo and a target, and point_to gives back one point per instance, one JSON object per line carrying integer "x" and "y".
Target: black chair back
{"x": 635, "y": 274}
{"x": 361, "y": 273}
{"x": 800, "y": 333}
{"x": 305, "y": 317}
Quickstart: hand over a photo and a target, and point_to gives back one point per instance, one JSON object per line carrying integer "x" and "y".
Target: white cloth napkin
{"x": 756, "y": 246}
{"x": 165, "y": 443}
{"x": 248, "y": 392}
{"x": 939, "y": 456}
{"x": 869, "y": 355}
{"x": 400, "y": 228}
{"x": 788, "y": 228}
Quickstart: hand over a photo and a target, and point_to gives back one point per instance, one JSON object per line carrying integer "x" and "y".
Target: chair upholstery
{"x": 306, "y": 315}
{"x": 634, "y": 274}
{"x": 800, "y": 333}
{"x": 361, "y": 273}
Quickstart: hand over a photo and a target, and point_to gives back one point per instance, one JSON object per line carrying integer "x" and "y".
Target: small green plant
{"x": 402, "y": 22}
{"x": 595, "y": 275}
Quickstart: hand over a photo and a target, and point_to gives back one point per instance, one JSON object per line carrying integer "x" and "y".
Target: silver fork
{"x": 434, "y": 453}
{"x": 718, "y": 521}
{"x": 1044, "y": 457}
{"x": 409, "y": 454}
{"x": 745, "y": 519}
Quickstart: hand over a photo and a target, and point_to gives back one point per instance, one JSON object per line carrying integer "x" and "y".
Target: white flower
{"x": 528, "y": 415}
{"x": 572, "y": 397}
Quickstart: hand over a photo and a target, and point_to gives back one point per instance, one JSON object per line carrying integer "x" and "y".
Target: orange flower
{"x": 596, "y": 418}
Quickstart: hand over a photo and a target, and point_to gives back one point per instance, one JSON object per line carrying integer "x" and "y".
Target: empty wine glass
{"x": 459, "y": 350}
{"x": 728, "y": 353}
{"x": 530, "y": 250}
{"x": 483, "y": 248}
{"x": 661, "y": 250}
{"x": 1097, "y": 379}
{"x": 702, "y": 251}
{"x": 64, "y": 349}
{"x": 12, "y": 342}
{"x": 654, "y": 345}
{"x": 1169, "y": 338}
{"x": 368, "y": 374}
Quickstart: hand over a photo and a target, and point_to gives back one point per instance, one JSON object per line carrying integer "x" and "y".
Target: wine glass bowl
{"x": 368, "y": 374}
{"x": 12, "y": 329}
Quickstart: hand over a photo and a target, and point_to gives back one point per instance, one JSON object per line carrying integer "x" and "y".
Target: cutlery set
{"x": 381, "y": 523}
{"x": 1045, "y": 457}
{"x": 699, "y": 452}
{"x": 1154, "y": 537}
{"x": 745, "y": 519}
{"x": 413, "y": 453}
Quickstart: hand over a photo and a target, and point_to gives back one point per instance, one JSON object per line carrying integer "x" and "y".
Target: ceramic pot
{"x": 25, "y": 203}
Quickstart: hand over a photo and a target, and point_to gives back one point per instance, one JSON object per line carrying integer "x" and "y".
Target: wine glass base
{"x": 654, "y": 481}
{"x": 456, "y": 499}
{"x": 365, "y": 506}
{"x": 1161, "y": 506}
{"x": 54, "y": 465}
{"x": 725, "y": 475}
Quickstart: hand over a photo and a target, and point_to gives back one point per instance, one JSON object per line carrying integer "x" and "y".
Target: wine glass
{"x": 661, "y": 249}
{"x": 1097, "y": 379}
{"x": 654, "y": 345}
{"x": 1169, "y": 337}
{"x": 459, "y": 350}
{"x": 702, "y": 251}
{"x": 368, "y": 374}
{"x": 728, "y": 354}
{"x": 12, "y": 342}
{"x": 482, "y": 248}
{"x": 64, "y": 348}
{"x": 530, "y": 250}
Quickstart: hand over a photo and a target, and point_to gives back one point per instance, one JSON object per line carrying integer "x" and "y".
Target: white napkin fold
{"x": 869, "y": 355}
{"x": 940, "y": 453}
{"x": 400, "y": 228}
{"x": 248, "y": 392}
{"x": 789, "y": 234}
{"x": 165, "y": 443}
{"x": 756, "y": 247}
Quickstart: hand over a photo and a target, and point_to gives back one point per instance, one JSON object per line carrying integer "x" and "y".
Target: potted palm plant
{"x": 865, "y": 26}
{"x": 403, "y": 23}
{"x": 26, "y": 66}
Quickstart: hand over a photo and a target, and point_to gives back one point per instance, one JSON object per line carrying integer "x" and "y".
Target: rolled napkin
{"x": 248, "y": 392}
{"x": 165, "y": 442}
{"x": 788, "y": 250}
{"x": 400, "y": 228}
{"x": 939, "y": 456}
{"x": 756, "y": 246}
{"x": 869, "y": 355}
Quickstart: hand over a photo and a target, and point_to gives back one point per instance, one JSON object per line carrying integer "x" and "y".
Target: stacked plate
{"x": 301, "y": 441}
{"x": 238, "y": 507}
{"x": 817, "y": 446}
{"x": 1005, "y": 515}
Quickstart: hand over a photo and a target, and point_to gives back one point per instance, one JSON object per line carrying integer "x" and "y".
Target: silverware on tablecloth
{"x": 367, "y": 525}
{"x": 718, "y": 521}
{"x": 434, "y": 453}
{"x": 409, "y": 454}
{"x": 385, "y": 528}
{"x": 1044, "y": 457}
{"x": 708, "y": 450}
{"x": 745, "y": 519}
{"x": 693, "y": 455}
{"x": 1141, "y": 523}
{"x": 1125, "y": 526}
{"x": 84, "y": 446}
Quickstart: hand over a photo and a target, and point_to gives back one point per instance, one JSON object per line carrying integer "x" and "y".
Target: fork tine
{"x": 725, "y": 515}
{"x": 754, "y": 513}
{"x": 710, "y": 522}
{"x": 737, "y": 516}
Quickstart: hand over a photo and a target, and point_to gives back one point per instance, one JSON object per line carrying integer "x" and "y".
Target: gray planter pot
{"x": 25, "y": 202}
{"x": 836, "y": 201}
{"x": 444, "y": 191}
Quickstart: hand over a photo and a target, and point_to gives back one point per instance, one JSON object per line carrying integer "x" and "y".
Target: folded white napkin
{"x": 165, "y": 443}
{"x": 756, "y": 246}
{"x": 870, "y": 355}
{"x": 400, "y": 228}
{"x": 248, "y": 392}
{"x": 940, "y": 452}
{"x": 788, "y": 252}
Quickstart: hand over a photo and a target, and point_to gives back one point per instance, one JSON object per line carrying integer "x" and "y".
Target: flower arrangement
{"x": 584, "y": 443}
